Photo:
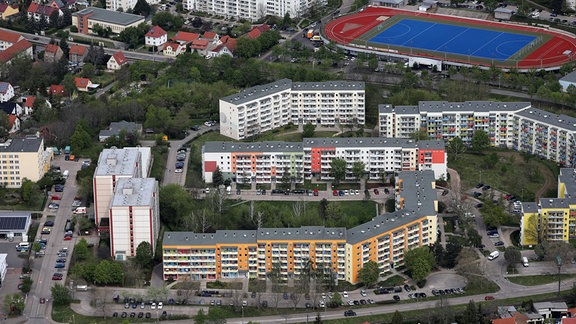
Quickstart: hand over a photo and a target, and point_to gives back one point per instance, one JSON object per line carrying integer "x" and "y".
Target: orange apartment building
{"x": 343, "y": 252}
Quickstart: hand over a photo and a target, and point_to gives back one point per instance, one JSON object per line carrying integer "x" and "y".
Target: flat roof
{"x": 272, "y": 146}
{"x": 380, "y": 225}
{"x": 253, "y": 93}
{"x": 116, "y": 161}
{"x": 554, "y": 203}
{"x": 329, "y": 85}
{"x": 209, "y": 239}
{"x": 561, "y": 121}
{"x": 134, "y": 192}
{"x": 109, "y": 16}
{"x": 22, "y": 145}
{"x": 568, "y": 177}
{"x": 371, "y": 142}
{"x": 304, "y": 233}
{"x": 570, "y": 77}
{"x": 401, "y": 110}
{"x": 425, "y": 107}
{"x": 14, "y": 221}
{"x": 417, "y": 191}
{"x": 529, "y": 207}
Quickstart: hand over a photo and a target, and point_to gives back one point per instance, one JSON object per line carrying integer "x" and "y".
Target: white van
{"x": 80, "y": 210}
{"x": 525, "y": 261}
{"x": 493, "y": 255}
{"x": 82, "y": 287}
{"x": 23, "y": 246}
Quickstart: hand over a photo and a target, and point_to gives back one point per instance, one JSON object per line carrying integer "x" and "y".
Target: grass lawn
{"x": 520, "y": 174}
{"x": 538, "y": 279}
{"x": 309, "y": 185}
{"x": 188, "y": 285}
{"x": 257, "y": 285}
{"x": 395, "y": 280}
{"x": 160, "y": 154}
{"x": 223, "y": 285}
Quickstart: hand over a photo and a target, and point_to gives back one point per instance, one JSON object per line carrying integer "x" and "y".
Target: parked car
{"x": 480, "y": 185}
{"x": 60, "y": 265}
{"x": 499, "y": 243}
{"x": 489, "y": 298}
{"x": 349, "y": 313}
{"x": 376, "y": 192}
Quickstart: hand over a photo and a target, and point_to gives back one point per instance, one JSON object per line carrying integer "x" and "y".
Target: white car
{"x": 345, "y": 294}
{"x": 207, "y": 124}
{"x": 356, "y": 192}
{"x": 178, "y": 171}
{"x": 160, "y": 305}
{"x": 321, "y": 304}
{"x": 153, "y": 306}
{"x": 363, "y": 293}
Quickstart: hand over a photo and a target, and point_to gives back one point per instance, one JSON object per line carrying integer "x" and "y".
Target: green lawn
{"x": 538, "y": 279}
{"x": 395, "y": 280}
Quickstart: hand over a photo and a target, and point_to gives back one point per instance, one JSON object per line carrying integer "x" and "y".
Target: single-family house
{"x": 6, "y": 11}
{"x": 200, "y": 46}
{"x": 256, "y": 31}
{"x": 116, "y": 128}
{"x": 12, "y": 110}
{"x": 185, "y": 38}
{"x": 77, "y": 54}
{"x": 6, "y": 91}
{"x": 36, "y": 11}
{"x": 21, "y": 48}
{"x": 211, "y": 37}
{"x": 227, "y": 47}
{"x": 116, "y": 61}
{"x": 551, "y": 309}
{"x": 84, "y": 84}
{"x": 8, "y": 38}
{"x": 28, "y": 102}
{"x": 57, "y": 90}
{"x": 173, "y": 49}
{"x": 156, "y": 36}
{"x": 52, "y": 53}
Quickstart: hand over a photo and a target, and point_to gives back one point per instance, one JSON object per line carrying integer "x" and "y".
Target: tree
{"x": 26, "y": 285}
{"x": 217, "y": 177}
{"x": 480, "y": 141}
{"x": 420, "y": 261}
{"x": 335, "y": 301}
{"x": 369, "y": 274}
{"x": 14, "y": 304}
{"x": 4, "y": 125}
{"x": 338, "y": 169}
{"x": 81, "y": 139}
{"x": 390, "y": 205}
{"x": 397, "y": 317}
{"x": 144, "y": 254}
{"x": 36, "y": 247}
{"x": 142, "y": 8}
{"x": 29, "y": 192}
{"x": 108, "y": 273}
{"x": 358, "y": 169}
{"x": 157, "y": 118}
{"x": 200, "y": 317}
{"x": 81, "y": 251}
{"x": 61, "y": 295}
{"x": 471, "y": 314}
{"x": 456, "y": 147}
{"x": 175, "y": 205}
{"x": 308, "y": 131}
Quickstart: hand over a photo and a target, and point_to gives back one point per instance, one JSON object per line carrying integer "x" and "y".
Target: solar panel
{"x": 8, "y": 223}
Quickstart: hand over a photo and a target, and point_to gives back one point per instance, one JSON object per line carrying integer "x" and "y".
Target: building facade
{"x": 134, "y": 216}
{"x": 252, "y": 9}
{"x": 339, "y": 252}
{"x": 86, "y": 19}
{"x": 6, "y": 91}
{"x": 514, "y": 125}
{"x": 22, "y": 158}
{"x": 262, "y": 108}
{"x": 267, "y": 162}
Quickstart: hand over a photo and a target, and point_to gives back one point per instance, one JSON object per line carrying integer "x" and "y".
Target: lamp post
{"x": 559, "y": 264}
{"x": 242, "y": 314}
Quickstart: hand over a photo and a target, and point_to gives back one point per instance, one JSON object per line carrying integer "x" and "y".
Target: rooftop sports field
{"x": 452, "y": 39}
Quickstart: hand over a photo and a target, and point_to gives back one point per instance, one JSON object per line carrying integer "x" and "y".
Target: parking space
{"x": 13, "y": 260}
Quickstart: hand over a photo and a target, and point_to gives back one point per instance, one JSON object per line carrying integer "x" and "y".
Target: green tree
{"x": 397, "y": 318}
{"x": 157, "y": 118}
{"x": 167, "y": 21}
{"x": 14, "y": 304}
{"x": 142, "y": 8}
{"x": 36, "y": 247}
{"x": 369, "y": 274}
{"x": 200, "y": 317}
{"x": 81, "y": 251}
{"x": 338, "y": 171}
{"x": 109, "y": 273}
{"x": 420, "y": 261}
{"x": 335, "y": 301}
{"x": 144, "y": 254}
{"x": 480, "y": 141}
{"x": 216, "y": 316}
{"x": 456, "y": 147}
{"x": 26, "y": 285}
{"x": 390, "y": 205}
{"x": 358, "y": 169}
{"x": 308, "y": 131}
{"x": 29, "y": 192}
{"x": 175, "y": 205}
{"x": 81, "y": 138}
{"x": 217, "y": 177}
{"x": 471, "y": 314}
{"x": 61, "y": 295}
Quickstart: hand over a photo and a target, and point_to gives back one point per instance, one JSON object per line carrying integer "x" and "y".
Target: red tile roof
{"x": 156, "y": 32}
{"x": 81, "y": 82}
{"x": 174, "y": 46}
{"x": 41, "y": 9}
{"x": 9, "y": 37}
{"x": 120, "y": 58}
{"x": 3, "y": 7}
{"x": 77, "y": 49}
{"x": 229, "y": 42}
{"x": 51, "y": 48}
{"x": 29, "y": 101}
{"x": 209, "y": 35}
{"x": 199, "y": 44}
{"x": 56, "y": 89}
{"x": 508, "y": 320}
{"x": 185, "y": 37}
{"x": 12, "y": 120}
{"x": 14, "y": 50}
{"x": 257, "y": 31}
{"x": 571, "y": 320}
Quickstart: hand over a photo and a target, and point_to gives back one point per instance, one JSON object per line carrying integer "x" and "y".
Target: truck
{"x": 69, "y": 226}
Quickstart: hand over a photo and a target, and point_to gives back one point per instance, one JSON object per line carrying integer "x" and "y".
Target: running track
{"x": 549, "y": 54}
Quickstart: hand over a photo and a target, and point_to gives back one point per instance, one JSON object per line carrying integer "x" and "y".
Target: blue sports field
{"x": 467, "y": 41}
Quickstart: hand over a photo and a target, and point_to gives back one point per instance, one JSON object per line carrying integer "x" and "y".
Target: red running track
{"x": 550, "y": 54}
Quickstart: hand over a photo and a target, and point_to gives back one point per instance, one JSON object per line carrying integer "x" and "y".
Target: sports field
{"x": 489, "y": 44}
{"x": 452, "y": 39}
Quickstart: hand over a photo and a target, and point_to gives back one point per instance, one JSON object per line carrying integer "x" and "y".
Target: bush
{"x": 73, "y": 29}
{"x": 421, "y": 283}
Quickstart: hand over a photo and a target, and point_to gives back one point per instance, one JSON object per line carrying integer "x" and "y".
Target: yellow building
{"x": 22, "y": 158}
{"x": 340, "y": 252}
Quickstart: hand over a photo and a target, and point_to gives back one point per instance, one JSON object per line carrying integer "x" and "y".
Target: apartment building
{"x": 251, "y": 9}
{"x": 267, "y": 162}
{"x": 23, "y": 158}
{"x": 134, "y": 216}
{"x": 514, "y": 125}
{"x": 338, "y": 251}
{"x": 262, "y": 108}
{"x": 551, "y": 219}
{"x": 87, "y": 18}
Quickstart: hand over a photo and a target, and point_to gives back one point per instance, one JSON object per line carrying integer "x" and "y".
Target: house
{"x": 52, "y": 53}
{"x": 173, "y": 49}
{"x": 13, "y": 124}
{"x": 503, "y": 13}
{"x": 8, "y": 39}
{"x": 156, "y": 36}
{"x": 389, "y": 3}
{"x": 571, "y": 320}
{"x": 211, "y": 37}
{"x": 551, "y": 309}
{"x": 115, "y": 128}
{"x": 185, "y": 37}
{"x": 568, "y": 80}
{"x": 84, "y": 84}
{"x": 77, "y": 54}
{"x": 57, "y": 90}
{"x": 200, "y": 46}
{"x": 85, "y": 19}
{"x": 28, "y": 102}
{"x": 36, "y": 11}
{"x": 7, "y": 11}
{"x": 116, "y": 61}
{"x": 13, "y": 45}
{"x": 227, "y": 47}
{"x": 256, "y": 31}
{"x": 13, "y": 110}
{"x": 6, "y": 91}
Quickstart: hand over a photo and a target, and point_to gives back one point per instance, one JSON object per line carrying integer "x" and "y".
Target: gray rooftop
{"x": 554, "y": 202}
{"x": 135, "y": 192}
{"x": 116, "y": 127}
{"x": 117, "y": 162}
{"x": 529, "y": 207}
{"x": 561, "y": 121}
{"x": 257, "y": 92}
{"x": 570, "y": 77}
{"x": 209, "y": 239}
{"x": 109, "y": 16}
{"x": 568, "y": 177}
{"x": 306, "y": 233}
{"x": 376, "y": 142}
{"x": 417, "y": 191}
{"x": 276, "y": 146}
{"x": 21, "y": 145}
{"x": 402, "y": 110}
{"x": 379, "y": 225}
{"x": 4, "y": 87}
{"x": 503, "y": 10}
{"x": 550, "y": 305}
{"x": 471, "y": 106}
{"x": 329, "y": 85}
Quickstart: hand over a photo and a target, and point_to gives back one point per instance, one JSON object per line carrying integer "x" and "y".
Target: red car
{"x": 67, "y": 237}
{"x": 335, "y": 193}
{"x": 507, "y": 196}
{"x": 489, "y": 298}
{"x": 55, "y": 197}
{"x": 57, "y": 276}
{"x": 376, "y": 192}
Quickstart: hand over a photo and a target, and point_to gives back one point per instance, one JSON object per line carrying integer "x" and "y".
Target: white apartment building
{"x": 267, "y": 162}
{"x": 3, "y": 266}
{"x": 134, "y": 216}
{"x": 266, "y": 107}
{"x": 252, "y": 9}
{"x": 514, "y": 125}
{"x": 126, "y": 5}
